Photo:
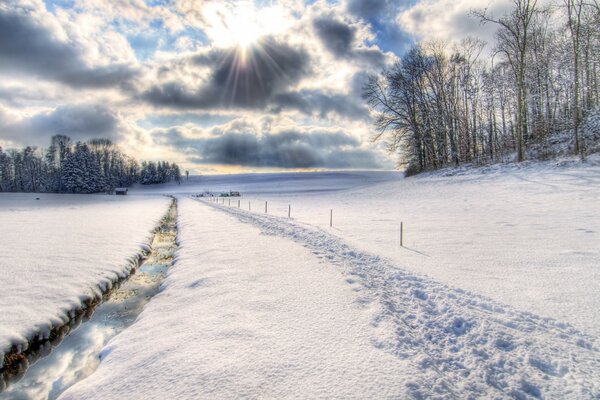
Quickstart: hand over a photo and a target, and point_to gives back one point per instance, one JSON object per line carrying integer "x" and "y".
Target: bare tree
{"x": 513, "y": 37}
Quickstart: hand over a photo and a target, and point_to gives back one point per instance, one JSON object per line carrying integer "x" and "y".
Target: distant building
{"x": 234, "y": 194}
{"x": 121, "y": 191}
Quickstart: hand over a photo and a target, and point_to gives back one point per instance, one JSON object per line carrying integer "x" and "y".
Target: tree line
{"x": 472, "y": 102}
{"x": 97, "y": 165}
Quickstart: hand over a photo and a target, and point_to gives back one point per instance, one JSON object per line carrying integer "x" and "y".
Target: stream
{"x": 62, "y": 363}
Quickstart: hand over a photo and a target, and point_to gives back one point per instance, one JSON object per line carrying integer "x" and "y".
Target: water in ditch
{"x": 61, "y": 364}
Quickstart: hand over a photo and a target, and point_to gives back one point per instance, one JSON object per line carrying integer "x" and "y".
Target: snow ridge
{"x": 465, "y": 344}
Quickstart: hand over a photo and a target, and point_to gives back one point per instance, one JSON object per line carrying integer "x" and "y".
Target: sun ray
{"x": 242, "y": 24}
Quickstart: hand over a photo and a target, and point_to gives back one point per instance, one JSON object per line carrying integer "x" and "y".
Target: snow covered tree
{"x": 526, "y": 96}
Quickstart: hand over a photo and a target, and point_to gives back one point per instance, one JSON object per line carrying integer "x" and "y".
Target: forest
{"x": 532, "y": 94}
{"x": 97, "y": 165}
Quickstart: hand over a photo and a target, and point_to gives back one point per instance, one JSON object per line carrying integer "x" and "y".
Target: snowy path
{"x": 527, "y": 238}
{"x": 245, "y": 315}
{"x": 462, "y": 343}
{"x": 58, "y": 251}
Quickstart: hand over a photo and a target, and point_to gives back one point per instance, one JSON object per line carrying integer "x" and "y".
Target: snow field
{"x": 61, "y": 250}
{"x": 463, "y": 344}
{"x": 528, "y": 238}
{"x": 245, "y": 315}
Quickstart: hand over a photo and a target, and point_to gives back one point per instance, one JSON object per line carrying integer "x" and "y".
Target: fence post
{"x": 330, "y": 218}
{"x": 249, "y": 206}
{"x": 289, "y": 210}
{"x": 229, "y": 202}
{"x": 401, "y": 232}
{"x": 266, "y": 209}
{"x": 239, "y": 203}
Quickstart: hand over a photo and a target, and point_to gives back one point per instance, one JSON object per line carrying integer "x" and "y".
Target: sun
{"x": 242, "y": 24}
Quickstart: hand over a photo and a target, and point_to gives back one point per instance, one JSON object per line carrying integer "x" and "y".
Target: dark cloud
{"x": 320, "y": 103}
{"x": 314, "y": 102}
{"x": 26, "y": 46}
{"x": 238, "y": 80}
{"x": 289, "y": 149}
{"x": 80, "y": 122}
{"x": 336, "y": 36}
{"x": 339, "y": 38}
{"x": 367, "y": 9}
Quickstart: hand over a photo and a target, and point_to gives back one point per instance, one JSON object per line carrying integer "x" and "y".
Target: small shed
{"x": 121, "y": 191}
{"x": 234, "y": 194}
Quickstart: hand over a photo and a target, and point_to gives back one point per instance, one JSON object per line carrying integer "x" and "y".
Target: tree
{"x": 574, "y": 14}
{"x": 513, "y": 40}
{"x": 6, "y": 172}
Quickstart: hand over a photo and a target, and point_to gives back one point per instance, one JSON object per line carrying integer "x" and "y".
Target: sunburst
{"x": 241, "y": 24}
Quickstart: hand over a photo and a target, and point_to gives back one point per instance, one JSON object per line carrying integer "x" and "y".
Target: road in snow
{"x": 56, "y": 251}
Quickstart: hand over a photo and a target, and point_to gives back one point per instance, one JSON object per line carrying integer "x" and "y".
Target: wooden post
{"x": 266, "y": 207}
{"x": 249, "y": 206}
{"x": 289, "y": 210}
{"x": 229, "y": 202}
{"x": 401, "y": 232}
{"x": 330, "y": 218}
{"x": 239, "y": 203}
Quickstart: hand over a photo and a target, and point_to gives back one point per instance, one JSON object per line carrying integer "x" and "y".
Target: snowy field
{"x": 60, "y": 250}
{"x": 263, "y": 307}
{"x": 243, "y": 315}
{"x": 494, "y": 294}
{"x": 528, "y": 237}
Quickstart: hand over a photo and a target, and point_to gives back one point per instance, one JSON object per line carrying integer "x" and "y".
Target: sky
{"x": 217, "y": 86}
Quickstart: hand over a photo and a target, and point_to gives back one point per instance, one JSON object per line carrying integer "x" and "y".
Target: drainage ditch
{"x": 70, "y": 353}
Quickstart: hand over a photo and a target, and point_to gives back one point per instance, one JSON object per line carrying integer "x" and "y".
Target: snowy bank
{"x": 61, "y": 251}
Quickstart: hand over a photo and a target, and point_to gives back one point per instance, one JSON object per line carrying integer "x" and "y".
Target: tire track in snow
{"x": 465, "y": 344}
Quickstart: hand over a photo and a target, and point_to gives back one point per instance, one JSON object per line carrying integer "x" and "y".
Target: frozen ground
{"x": 244, "y": 315}
{"x": 295, "y": 312}
{"x": 58, "y": 250}
{"x": 524, "y": 236}
{"x": 495, "y": 293}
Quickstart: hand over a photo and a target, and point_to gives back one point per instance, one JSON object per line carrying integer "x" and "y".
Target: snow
{"x": 464, "y": 344}
{"x": 267, "y": 320}
{"x": 494, "y": 294}
{"x": 60, "y": 250}
{"x": 526, "y": 236}
{"x": 297, "y": 183}
{"x": 298, "y": 313}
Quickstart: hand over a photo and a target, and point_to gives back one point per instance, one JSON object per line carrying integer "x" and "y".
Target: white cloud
{"x": 450, "y": 20}
{"x": 88, "y": 58}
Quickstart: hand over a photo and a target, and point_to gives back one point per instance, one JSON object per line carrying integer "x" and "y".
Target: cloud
{"x": 380, "y": 15}
{"x": 168, "y": 65}
{"x": 450, "y": 19}
{"x": 367, "y": 9}
{"x": 320, "y": 104}
{"x": 80, "y": 122}
{"x": 30, "y": 45}
{"x": 341, "y": 39}
{"x": 238, "y": 79}
{"x": 338, "y": 37}
{"x": 291, "y": 148}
